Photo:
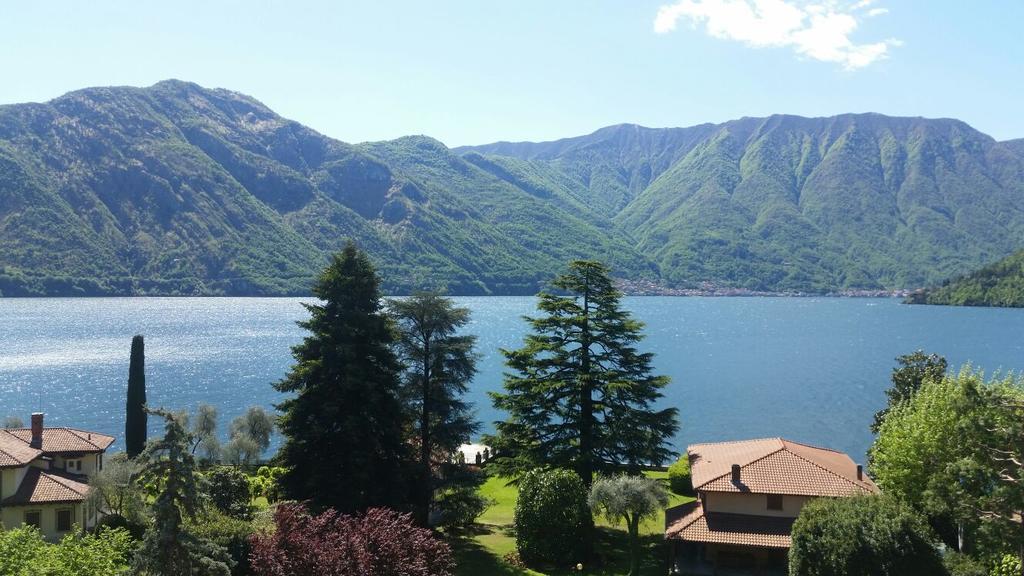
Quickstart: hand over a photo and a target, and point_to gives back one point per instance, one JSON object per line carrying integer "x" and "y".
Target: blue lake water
{"x": 809, "y": 369}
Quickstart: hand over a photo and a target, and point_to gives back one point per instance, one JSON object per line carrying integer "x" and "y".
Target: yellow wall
{"x": 14, "y": 516}
{"x": 756, "y": 504}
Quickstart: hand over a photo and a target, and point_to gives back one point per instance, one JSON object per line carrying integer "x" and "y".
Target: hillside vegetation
{"x": 179, "y": 189}
{"x": 998, "y": 284}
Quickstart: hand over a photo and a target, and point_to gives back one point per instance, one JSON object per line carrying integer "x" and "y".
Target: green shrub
{"x": 229, "y": 491}
{"x": 862, "y": 536}
{"x": 1009, "y": 565}
{"x": 460, "y": 507}
{"x": 232, "y": 534}
{"x": 680, "y": 480}
{"x": 23, "y": 552}
{"x": 551, "y": 517}
{"x": 963, "y": 565}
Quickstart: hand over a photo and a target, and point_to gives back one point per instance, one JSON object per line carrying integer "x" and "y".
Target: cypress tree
{"x": 135, "y": 420}
{"x": 579, "y": 394}
{"x": 344, "y": 444}
{"x": 440, "y": 363}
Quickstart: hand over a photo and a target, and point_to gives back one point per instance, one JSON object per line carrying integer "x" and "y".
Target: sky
{"x": 477, "y": 71}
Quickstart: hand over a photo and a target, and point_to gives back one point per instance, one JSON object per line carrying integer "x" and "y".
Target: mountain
{"x": 857, "y": 201}
{"x": 179, "y": 189}
{"x": 998, "y": 284}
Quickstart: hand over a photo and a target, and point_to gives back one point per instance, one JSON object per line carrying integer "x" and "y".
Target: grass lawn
{"x": 481, "y": 552}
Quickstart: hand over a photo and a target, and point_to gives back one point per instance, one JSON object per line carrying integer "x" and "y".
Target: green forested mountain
{"x": 998, "y": 284}
{"x": 178, "y": 189}
{"x": 791, "y": 203}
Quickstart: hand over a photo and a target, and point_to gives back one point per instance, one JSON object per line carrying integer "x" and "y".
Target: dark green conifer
{"x": 579, "y": 394}
{"x": 344, "y": 425}
{"x": 135, "y": 420}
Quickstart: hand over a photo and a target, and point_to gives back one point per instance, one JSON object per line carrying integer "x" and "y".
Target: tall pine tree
{"x": 169, "y": 548}
{"x": 135, "y": 420}
{"x": 579, "y": 394}
{"x": 439, "y": 366}
{"x": 344, "y": 427}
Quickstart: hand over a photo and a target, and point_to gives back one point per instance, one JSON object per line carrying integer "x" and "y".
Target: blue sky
{"x": 470, "y": 72}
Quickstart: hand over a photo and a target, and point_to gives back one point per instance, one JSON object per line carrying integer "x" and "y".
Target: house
{"x": 748, "y": 495}
{"x": 44, "y": 477}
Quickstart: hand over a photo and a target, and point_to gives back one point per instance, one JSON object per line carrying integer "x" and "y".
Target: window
{"x": 34, "y": 518}
{"x": 64, "y": 518}
{"x": 775, "y": 501}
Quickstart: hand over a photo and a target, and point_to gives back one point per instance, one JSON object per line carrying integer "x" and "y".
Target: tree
{"x": 204, "y": 433}
{"x": 378, "y": 543}
{"x": 551, "y": 518}
{"x": 1001, "y": 498}
{"x": 116, "y": 492}
{"x": 12, "y": 422}
{"x": 911, "y": 372}
{"x": 439, "y": 363}
{"x": 862, "y": 536}
{"x": 680, "y": 477}
{"x": 632, "y": 499}
{"x": 923, "y": 452}
{"x": 168, "y": 548}
{"x": 579, "y": 394}
{"x": 135, "y": 420}
{"x": 228, "y": 489}
{"x": 344, "y": 429}
{"x": 255, "y": 425}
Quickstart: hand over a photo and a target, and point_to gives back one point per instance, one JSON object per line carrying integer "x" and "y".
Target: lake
{"x": 808, "y": 369}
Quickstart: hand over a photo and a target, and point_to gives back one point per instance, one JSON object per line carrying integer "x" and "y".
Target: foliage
{"x": 998, "y": 284}
{"x": 907, "y": 377}
{"x": 1008, "y": 565}
{"x": 344, "y": 433}
{"x": 11, "y": 422}
{"x": 228, "y": 490}
{"x": 266, "y": 482}
{"x": 937, "y": 451}
{"x": 460, "y": 507}
{"x": 227, "y": 197}
{"x": 255, "y": 425}
{"x": 579, "y": 394}
{"x": 135, "y": 411}
{"x": 862, "y": 536}
{"x": 378, "y": 543}
{"x": 115, "y": 490}
{"x": 230, "y": 533}
{"x": 169, "y": 548}
{"x": 680, "y": 479}
{"x": 439, "y": 364}
{"x": 24, "y": 552}
{"x": 551, "y": 518}
{"x": 958, "y": 564}
{"x": 630, "y": 499}
{"x": 204, "y": 433}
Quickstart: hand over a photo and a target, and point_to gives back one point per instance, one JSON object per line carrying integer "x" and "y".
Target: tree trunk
{"x": 428, "y": 486}
{"x": 634, "y": 545}
{"x": 585, "y": 467}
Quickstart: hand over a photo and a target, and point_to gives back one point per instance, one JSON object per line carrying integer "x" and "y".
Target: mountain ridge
{"x": 179, "y": 189}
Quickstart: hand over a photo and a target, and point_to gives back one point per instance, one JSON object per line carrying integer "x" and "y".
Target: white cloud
{"x": 820, "y": 30}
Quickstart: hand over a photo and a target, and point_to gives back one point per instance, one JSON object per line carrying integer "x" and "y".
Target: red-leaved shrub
{"x": 380, "y": 542}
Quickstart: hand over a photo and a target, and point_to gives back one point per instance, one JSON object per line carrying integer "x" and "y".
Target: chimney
{"x": 37, "y": 430}
{"x": 860, "y": 471}
{"x": 736, "y": 473}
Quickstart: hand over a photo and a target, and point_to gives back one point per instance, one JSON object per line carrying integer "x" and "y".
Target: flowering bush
{"x": 380, "y": 542}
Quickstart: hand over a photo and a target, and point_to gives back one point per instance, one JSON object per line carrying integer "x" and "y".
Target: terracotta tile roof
{"x": 48, "y": 487}
{"x": 689, "y": 522}
{"x": 57, "y": 440}
{"x": 776, "y": 466}
{"x": 14, "y": 452}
